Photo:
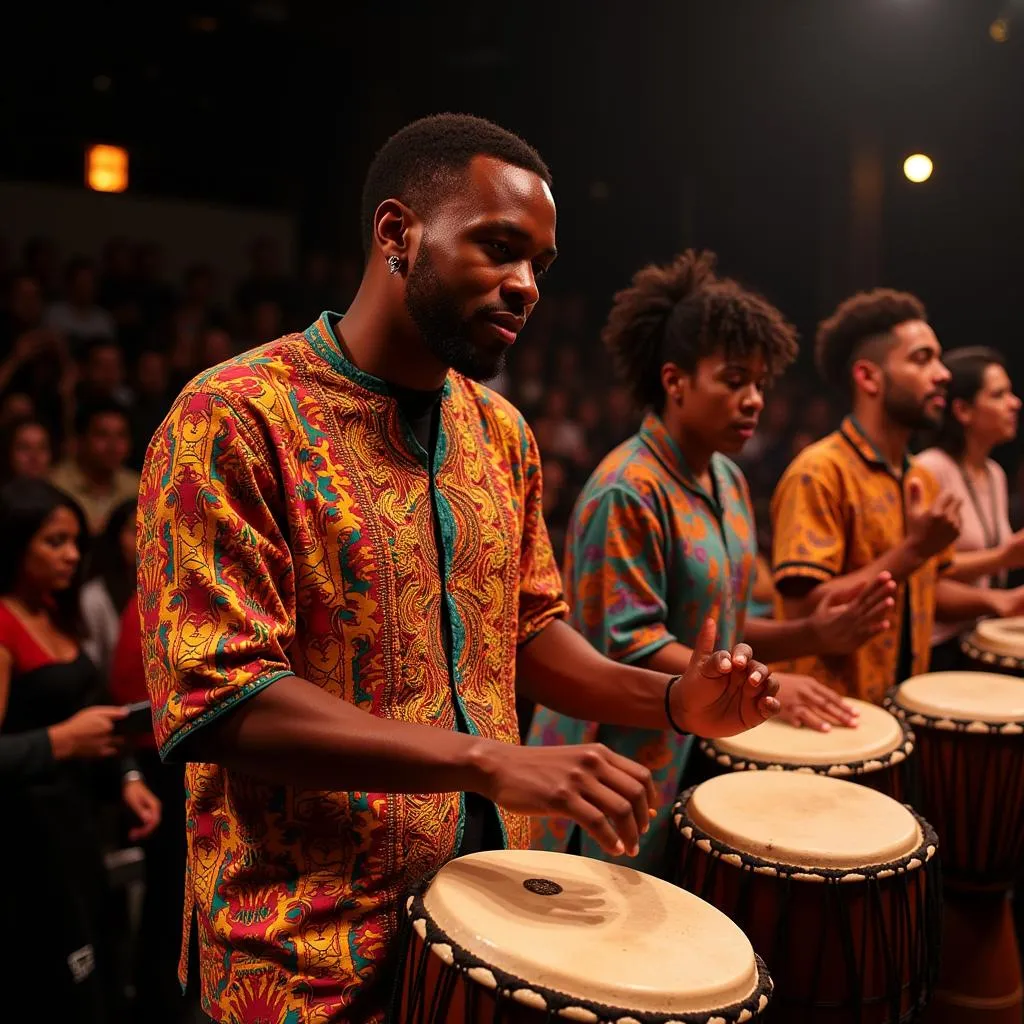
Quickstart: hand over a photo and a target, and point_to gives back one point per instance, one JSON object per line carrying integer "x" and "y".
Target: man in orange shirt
{"x": 854, "y": 504}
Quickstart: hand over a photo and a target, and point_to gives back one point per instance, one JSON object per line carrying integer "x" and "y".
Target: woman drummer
{"x": 663, "y": 534}
{"x": 982, "y": 414}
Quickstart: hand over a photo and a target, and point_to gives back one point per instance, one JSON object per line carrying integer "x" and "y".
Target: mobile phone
{"x": 137, "y": 722}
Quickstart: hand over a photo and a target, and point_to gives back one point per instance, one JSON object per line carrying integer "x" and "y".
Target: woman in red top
{"x": 56, "y": 899}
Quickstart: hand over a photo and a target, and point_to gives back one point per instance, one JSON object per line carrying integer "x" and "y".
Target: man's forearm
{"x": 294, "y": 733}
{"x": 802, "y": 595}
{"x": 779, "y": 640}
{"x": 561, "y": 670}
{"x": 969, "y": 565}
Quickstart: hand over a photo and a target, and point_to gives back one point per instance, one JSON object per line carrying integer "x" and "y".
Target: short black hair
{"x": 858, "y": 321}
{"x": 88, "y": 411}
{"x": 420, "y": 162}
{"x": 682, "y": 312}
{"x": 967, "y": 368}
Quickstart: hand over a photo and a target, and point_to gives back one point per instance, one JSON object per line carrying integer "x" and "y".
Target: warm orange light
{"x": 106, "y": 168}
{"x": 999, "y": 30}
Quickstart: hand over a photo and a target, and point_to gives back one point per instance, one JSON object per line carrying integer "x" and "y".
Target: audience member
{"x": 26, "y": 450}
{"x": 96, "y": 475}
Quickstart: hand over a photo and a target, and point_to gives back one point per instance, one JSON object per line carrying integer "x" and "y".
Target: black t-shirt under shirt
{"x": 421, "y": 410}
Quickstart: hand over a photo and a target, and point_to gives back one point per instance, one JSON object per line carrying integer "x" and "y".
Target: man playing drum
{"x": 345, "y": 577}
{"x": 854, "y": 504}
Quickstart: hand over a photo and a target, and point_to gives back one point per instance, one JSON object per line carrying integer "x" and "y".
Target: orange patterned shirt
{"x": 286, "y": 523}
{"x": 839, "y": 507}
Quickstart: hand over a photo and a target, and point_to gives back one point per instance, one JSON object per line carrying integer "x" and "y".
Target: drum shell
{"x": 433, "y": 992}
{"x": 821, "y": 938}
{"x": 978, "y": 659}
{"x": 972, "y": 792}
{"x": 896, "y": 778}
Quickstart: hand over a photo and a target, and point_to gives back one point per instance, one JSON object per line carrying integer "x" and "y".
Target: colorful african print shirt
{"x": 649, "y": 556}
{"x": 286, "y": 523}
{"x": 839, "y": 507}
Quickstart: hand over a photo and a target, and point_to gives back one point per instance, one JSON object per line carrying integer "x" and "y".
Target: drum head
{"x": 804, "y": 821}
{"x": 877, "y": 736}
{"x": 964, "y": 697}
{"x": 597, "y": 932}
{"x": 1004, "y": 637}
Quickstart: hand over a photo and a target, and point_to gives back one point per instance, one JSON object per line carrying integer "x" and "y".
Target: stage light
{"x": 999, "y": 30}
{"x": 918, "y": 168}
{"x": 106, "y": 168}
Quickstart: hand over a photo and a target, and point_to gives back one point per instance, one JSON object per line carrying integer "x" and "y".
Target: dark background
{"x": 732, "y": 125}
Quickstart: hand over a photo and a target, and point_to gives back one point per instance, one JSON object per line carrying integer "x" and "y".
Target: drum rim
{"x": 558, "y": 1003}
{"x": 839, "y": 770}
{"x": 988, "y": 657}
{"x": 919, "y": 857}
{"x": 949, "y": 723}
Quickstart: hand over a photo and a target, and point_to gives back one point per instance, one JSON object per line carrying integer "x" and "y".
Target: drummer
{"x": 854, "y": 504}
{"x": 663, "y": 534}
{"x": 344, "y": 578}
{"x": 981, "y": 414}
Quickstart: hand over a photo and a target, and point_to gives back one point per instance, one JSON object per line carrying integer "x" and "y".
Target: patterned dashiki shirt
{"x": 286, "y": 527}
{"x": 839, "y": 507}
{"x": 649, "y": 556}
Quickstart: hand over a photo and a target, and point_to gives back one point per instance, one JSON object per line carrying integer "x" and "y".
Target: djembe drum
{"x": 970, "y": 748}
{"x": 528, "y": 936}
{"x": 875, "y": 753}
{"x": 996, "y": 645}
{"x": 836, "y": 883}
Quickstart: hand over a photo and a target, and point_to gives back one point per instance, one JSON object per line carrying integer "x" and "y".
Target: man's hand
{"x": 805, "y": 701}
{"x": 845, "y": 620}
{"x": 610, "y": 796}
{"x": 931, "y": 530}
{"x": 722, "y": 694}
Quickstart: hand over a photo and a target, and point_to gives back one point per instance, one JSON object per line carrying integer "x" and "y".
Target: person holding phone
{"x": 59, "y": 906}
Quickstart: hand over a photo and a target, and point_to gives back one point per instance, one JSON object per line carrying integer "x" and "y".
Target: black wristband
{"x": 668, "y": 705}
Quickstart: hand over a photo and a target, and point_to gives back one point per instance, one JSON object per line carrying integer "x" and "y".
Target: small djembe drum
{"x": 996, "y": 645}
{"x": 530, "y": 936}
{"x": 875, "y": 752}
{"x": 837, "y": 883}
{"x": 970, "y": 752}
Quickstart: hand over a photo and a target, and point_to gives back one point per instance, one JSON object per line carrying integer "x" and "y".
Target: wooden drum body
{"x": 836, "y": 884}
{"x": 875, "y": 753}
{"x": 996, "y": 645}
{"x": 970, "y": 748}
{"x": 524, "y": 936}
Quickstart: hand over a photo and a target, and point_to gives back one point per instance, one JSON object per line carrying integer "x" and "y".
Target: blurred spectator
{"x": 563, "y": 436}
{"x": 101, "y": 376}
{"x": 77, "y": 316}
{"x": 26, "y": 451}
{"x": 266, "y": 281}
{"x": 156, "y": 296}
{"x": 817, "y": 417}
{"x": 153, "y": 398}
{"x": 317, "y": 289}
{"x": 39, "y": 259}
{"x": 23, "y": 309}
{"x": 14, "y": 406}
{"x": 96, "y": 476}
{"x": 60, "y": 903}
{"x": 197, "y": 312}
{"x": 217, "y": 346}
{"x": 158, "y": 996}
{"x": 528, "y": 373}
{"x": 110, "y": 586}
{"x": 265, "y": 322}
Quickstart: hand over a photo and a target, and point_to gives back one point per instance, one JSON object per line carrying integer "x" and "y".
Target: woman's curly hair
{"x": 683, "y": 311}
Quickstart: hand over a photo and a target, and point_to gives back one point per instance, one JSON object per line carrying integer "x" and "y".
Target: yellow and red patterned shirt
{"x": 839, "y": 507}
{"x": 286, "y": 521}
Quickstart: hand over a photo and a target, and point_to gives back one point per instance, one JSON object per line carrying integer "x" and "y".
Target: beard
{"x": 446, "y": 332}
{"x": 908, "y": 411}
